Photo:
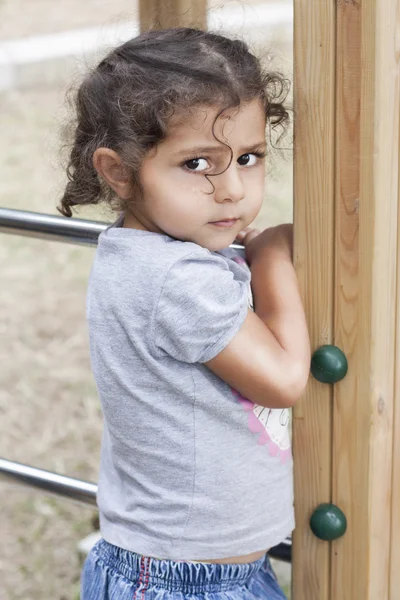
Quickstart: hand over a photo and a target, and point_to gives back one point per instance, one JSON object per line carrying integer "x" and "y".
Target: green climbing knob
{"x": 328, "y": 522}
{"x": 328, "y": 364}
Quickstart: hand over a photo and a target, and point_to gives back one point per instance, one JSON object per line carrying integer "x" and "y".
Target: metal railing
{"x": 84, "y": 232}
{"x": 50, "y": 227}
{"x": 49, "y": 482}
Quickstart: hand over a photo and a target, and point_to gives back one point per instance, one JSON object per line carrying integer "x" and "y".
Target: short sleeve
{"x": 202, "y": 305}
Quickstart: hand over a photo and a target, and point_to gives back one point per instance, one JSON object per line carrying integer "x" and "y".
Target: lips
{"x": 224, "y": 222}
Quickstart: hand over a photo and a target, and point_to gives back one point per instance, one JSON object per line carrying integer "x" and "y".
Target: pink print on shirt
{"x": 271, "y": 423}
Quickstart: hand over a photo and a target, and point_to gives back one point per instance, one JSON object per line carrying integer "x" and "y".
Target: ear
{"x": 110, "y": 167}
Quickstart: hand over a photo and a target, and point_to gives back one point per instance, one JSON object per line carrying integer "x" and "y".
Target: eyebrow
{"x": 210, "y": 149}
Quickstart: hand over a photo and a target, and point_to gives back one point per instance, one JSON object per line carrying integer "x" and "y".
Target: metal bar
{"x": 50, "y": 227}
{"x": 54, "y": 228}
{"x": 46, "y": 481}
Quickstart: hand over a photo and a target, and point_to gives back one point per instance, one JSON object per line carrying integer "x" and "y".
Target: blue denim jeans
{"x": 111, "y": 573}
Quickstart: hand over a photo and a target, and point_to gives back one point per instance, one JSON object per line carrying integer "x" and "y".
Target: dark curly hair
{"x": 125, "y": 103}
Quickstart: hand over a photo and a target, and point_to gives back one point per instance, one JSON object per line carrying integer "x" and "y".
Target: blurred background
{"x": 50, "y": 414}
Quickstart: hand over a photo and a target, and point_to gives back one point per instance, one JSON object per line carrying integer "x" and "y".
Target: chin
{"x": 216, "y": 246}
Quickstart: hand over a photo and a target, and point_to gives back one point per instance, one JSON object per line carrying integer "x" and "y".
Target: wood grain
{"x": 351, "y": 425}
{"x": 314, "y": 260}
{"x": 161, "y": 14}
{"x": 394, "y": 581}
{"x": 367, "y": 158}
{"x": 359, "y": 206}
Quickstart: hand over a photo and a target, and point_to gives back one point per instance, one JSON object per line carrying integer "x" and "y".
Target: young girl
{"x": 195, "y": 481}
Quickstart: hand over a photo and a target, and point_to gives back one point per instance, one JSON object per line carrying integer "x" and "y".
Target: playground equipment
{"x": 346, "y": 429}
{"x": 347, "y": 435}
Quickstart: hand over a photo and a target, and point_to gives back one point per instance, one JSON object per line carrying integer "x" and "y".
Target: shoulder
{"x": 161, "y": 259}
{"x": 195, "y": 263}
{"x": 147, "y": 245}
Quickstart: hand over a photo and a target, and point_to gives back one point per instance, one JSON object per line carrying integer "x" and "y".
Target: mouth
{"x": 224, "y": 223}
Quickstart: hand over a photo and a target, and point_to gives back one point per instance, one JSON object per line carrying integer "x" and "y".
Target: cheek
{"x": 186, "y": 194}
{"x": 177, "y": 207}
{"x": 193, "y": 186}
{"x": 256, "y": 185}
{"x": 255, "y": 196}
{"x": 177, "y": 183}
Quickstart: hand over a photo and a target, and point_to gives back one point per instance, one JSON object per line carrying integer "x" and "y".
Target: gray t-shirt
{"x": 189, "y": 468}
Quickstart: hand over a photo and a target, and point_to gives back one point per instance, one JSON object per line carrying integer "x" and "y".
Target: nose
{"x": 229, "y": 185}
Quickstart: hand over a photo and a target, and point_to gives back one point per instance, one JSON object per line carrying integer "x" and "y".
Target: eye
{"x": 197, "y": 165}
{"x": 247, "y": 160}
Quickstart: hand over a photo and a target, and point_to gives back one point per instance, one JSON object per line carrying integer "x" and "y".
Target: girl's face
{"x": 179, "y": 201}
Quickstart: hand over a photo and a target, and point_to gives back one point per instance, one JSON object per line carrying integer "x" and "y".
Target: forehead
{"x": 244, "y": 123}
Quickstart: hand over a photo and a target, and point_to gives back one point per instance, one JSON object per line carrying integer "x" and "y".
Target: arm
{"x": 268, "y": 360}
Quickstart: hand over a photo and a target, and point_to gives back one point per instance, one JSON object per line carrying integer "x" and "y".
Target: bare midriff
{"x": 245, "y": 558}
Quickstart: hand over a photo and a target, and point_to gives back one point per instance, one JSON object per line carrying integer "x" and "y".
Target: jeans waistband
{"x": 185, "y": 577}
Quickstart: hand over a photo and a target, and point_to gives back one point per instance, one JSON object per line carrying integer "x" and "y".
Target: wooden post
{"x": 161, "y": 14}
{"x": 314, "y": 37}
{"x": 347, "y": 436}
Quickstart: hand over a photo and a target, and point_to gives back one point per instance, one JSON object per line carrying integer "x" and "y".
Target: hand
{"x": 273, "y": 239}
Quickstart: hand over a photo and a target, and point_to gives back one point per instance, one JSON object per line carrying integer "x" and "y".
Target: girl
{"x": 195, "y": 480}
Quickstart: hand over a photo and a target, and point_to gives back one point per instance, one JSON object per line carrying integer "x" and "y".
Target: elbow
{"x": 288, "y": 391}
{"x": 295, "y": 386}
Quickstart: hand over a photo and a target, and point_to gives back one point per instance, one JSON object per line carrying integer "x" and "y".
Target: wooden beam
{"x": 364, "y": 432}
{"x": 162, "y": 14}
{"x": 367, "y": 168}
{"x": 314, "y": 38}
{"x": 395, "y": 525}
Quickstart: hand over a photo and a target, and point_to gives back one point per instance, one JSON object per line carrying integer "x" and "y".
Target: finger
{"x": 256, "y": 230}
{"x": 250, "y": 236}
{"x": 242, "y": 234}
